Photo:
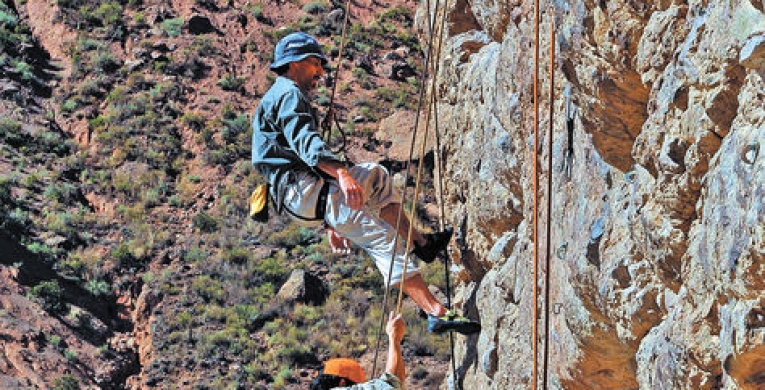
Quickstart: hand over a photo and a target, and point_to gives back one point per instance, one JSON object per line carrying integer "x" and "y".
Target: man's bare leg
{"x": 416, "y": 288}
{"x": 390, "y": 213}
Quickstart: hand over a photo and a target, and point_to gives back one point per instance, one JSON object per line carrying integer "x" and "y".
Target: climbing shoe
{"x": 451, "y": 321}
{"x": 434, "y": 245}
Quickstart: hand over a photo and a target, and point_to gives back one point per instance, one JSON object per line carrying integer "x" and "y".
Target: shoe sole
{"x": 463, "y": 328}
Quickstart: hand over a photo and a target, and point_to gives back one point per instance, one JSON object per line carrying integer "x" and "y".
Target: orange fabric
{"x": 346, "y": 368}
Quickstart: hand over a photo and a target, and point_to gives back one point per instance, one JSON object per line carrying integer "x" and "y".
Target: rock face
{"x": 657, "y": 225}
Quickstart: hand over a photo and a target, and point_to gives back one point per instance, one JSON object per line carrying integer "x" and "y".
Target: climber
{"x": 348, "y": 373}
{"x": 358, "y": 204}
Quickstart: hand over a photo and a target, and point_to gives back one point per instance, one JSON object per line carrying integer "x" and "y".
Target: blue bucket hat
{"x": 295, "y": 47}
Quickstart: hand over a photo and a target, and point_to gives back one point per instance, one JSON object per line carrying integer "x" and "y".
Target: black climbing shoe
{"x": 434, "y": 245}
{"x": 451, "y": 321}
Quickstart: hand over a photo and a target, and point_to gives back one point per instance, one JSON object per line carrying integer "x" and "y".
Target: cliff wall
{"x": 657, "y": 224}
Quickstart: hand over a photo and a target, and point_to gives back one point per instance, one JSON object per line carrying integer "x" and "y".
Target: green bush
{"x": 255, "y": 9}
{"x": 272, "y": 270}
{"x": 315, "y": 7}
{"x": 69, "y": 106}
{"x": 66, "y": 382}
{"x": 173, "y": 26}
{"x": 205, "y": 222}
{"x": 98, "y": 288}
{"x": 194, "y": 120}
{"x": 104, "y": 62}
{"x": 291, "y": 236}
{"x": 43, "y": 250}
{"x": 10, "y": 132}
{"x": 63, "y": 192}
{"x": 209, "y": 289}
{"x": 123, "y": 255}
{"x": 109, "y": 13}
{"x": 51, "y": 295}
{"x": 230, "y": 82}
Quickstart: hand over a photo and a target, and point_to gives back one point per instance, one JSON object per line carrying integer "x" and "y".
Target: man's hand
{"x": 354, "y": 194}
{"x": 338, "y": 243}
{"x": 395, "y": 328}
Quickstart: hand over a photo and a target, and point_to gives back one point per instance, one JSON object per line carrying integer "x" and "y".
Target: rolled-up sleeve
{"x": 300, "y": 129}
{"x": 386, "y": 381}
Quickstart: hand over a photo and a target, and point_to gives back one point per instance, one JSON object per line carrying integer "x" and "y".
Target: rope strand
{"x": 331, "y": 117}
{"x": 535, "y": 292}
{"x": 548, "y": 238}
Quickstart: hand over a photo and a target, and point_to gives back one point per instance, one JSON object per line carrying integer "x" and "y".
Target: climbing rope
{"x": 548, "y": 238}
{"x": 330, "y": 119}
{"x": 439, "y": 163}
{"x": 535, "y": 292}
{"x": 548, "y": 215}
{"x": 428, "y": 64}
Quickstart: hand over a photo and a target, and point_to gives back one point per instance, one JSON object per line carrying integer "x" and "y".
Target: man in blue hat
{"x": 358, "y": 204}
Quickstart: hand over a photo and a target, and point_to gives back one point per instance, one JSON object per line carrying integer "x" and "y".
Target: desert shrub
{"x": 315, "y": 7}
{"x": 205, "y": 222}
{"x": 82, "y": 264}
{"x": 61, "y": 192}
{"x": 237, "y": 255}
{"x": 172, "y": 27}
{"x": 272, "y": 269}
{"x": 194, "y": 120}
{"x": 231, "y": 82}
{"x": 25, "y": 71}
{"x": 62, "y": 222}
{"x": 123, "y": 255}
{"x": 204, "y": 46}
{"x": 195, "y": 254}
{"x": 15, "y": 221}
{"x": 255, "y": 9}
{"x": 291, "y": 236}
{"x": 209, "y": 289}
{"x": 41, "y": 249}
{"x": 11, "y": 133}
{"x": 51, "y": 296}
{"x": 104, "y": 62}
{"x": 66, "y": 382}
{"x": 398, "y": 13}
{"x": 69, "y": 106}
{"x": 6, "y": 198}
{"x": 98, "y": 288}
{"x": 109, "y": 13}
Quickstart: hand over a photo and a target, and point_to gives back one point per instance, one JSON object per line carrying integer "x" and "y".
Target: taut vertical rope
{"x": 331, "y": 117}
{"x": 548, "y": 245}
{"x": 440, "y": 186}
{"x": 428, "y": 58}
{"x": 535, "y": 293}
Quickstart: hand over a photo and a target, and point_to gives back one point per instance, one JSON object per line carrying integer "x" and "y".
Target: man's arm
{"x": 354, "y": 194}
{"x": 395, "y": 330}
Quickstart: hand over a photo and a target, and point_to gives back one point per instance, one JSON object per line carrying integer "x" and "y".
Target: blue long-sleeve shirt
{"x": 286, "y": 134}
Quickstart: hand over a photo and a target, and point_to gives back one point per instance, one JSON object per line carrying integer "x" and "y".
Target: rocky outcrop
{"x": 656, "y": 225}
{"x": 302, "y": 287}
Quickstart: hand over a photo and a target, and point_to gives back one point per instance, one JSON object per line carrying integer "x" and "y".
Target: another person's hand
{"x": 395, "y": 328}
{"x": 338, "y": 243}
{"x": 354, "y": 194}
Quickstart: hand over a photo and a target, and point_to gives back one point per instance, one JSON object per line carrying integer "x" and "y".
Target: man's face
{"x": 307, "y": 73}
